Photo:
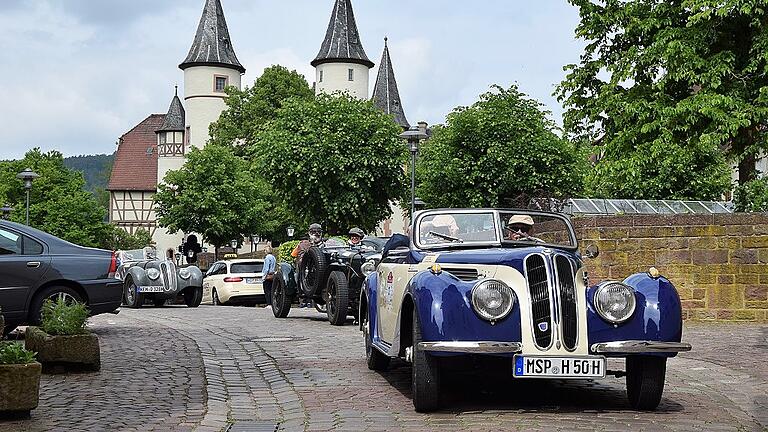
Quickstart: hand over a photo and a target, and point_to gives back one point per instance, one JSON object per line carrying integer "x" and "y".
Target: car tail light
{"x": 233, "y": 279}
{"x": 113, "y": 265}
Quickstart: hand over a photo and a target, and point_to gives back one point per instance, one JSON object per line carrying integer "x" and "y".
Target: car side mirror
{"x": 592, "y": 251}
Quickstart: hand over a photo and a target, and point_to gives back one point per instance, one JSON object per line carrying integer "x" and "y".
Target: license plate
{"x": 252, "y": 280}
{"x": 150, "y": 289}
{"x": 559, "y": 367}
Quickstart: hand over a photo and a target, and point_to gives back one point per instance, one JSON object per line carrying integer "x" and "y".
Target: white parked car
{"x": 234, "y": 281}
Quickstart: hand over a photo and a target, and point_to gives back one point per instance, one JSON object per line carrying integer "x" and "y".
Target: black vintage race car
{"x": 331, "y": 275}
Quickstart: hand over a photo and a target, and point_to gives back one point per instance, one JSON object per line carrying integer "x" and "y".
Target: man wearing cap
{"x": 355, "y": 237}
{"x": 519, "y": 227}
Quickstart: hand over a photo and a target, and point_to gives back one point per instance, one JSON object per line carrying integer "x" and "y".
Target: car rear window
{"x": 246, "y": 267}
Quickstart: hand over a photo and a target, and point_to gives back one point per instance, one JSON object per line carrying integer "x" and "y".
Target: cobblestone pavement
{"x": 305, "y": 374}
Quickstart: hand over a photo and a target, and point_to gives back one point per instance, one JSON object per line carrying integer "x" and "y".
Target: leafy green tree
{"x": 665, "y": 87}
{"x": 59, "y": 204}
{"x": 249, "y": 110}
{"x": 490, "y": 153}
{"x": 335, "y": 160}
{"x": 122, "y": 240}
{"x": 213, "y": 194}
{"x": 752, "y": 196}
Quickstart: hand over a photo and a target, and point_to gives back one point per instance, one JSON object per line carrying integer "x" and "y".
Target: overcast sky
{"x": 77, "y": 74}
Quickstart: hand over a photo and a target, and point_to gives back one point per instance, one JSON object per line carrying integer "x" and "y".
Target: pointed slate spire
{"x": 175, "y": 119}
{"x": 342, "y": 40}
{"x": 212, "y": 45}
{"x": 386, "y": 97}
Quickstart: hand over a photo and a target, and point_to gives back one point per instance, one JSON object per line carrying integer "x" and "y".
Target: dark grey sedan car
{"x": 35, "y": 266}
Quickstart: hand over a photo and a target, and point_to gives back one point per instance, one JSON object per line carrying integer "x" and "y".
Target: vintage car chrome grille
{"x": 168, "y": 270}
{"x": 538, "y": 287}
{"x": 567, "y": 286}
{"x": 464, "y": 274}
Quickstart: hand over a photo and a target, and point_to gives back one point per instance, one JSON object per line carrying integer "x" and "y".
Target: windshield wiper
{"x": 446, "y": 237}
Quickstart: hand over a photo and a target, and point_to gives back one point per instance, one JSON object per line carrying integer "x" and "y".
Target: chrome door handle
{"x": 33, "y": 264}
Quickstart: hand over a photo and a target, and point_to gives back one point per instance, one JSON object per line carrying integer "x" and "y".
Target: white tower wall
{"x": 201, "y": 100}
{"x": 335, "y": 77}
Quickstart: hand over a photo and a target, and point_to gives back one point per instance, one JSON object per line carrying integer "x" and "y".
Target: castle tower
{"x": 386, "y": 97}
{"x": 341, "y": 64}
{"x": 209, "y": 68}
{"x": 170, "y": 139}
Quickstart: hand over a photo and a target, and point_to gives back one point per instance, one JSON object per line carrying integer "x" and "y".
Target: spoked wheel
{"x": 425, "y": 374}
{"x": 281, "y": 301}
{"x": 323, "y": 309}
{"x": 645, "y": 381}
{"x": 133, "y": 299}
{"x": 337, "y": 298}
{"x": 373, "y": 357}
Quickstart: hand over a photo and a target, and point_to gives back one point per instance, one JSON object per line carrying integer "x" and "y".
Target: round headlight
{"x": 614, "y": 302}
{"x": 492, "y": 299}
{"x": 184, "y": 273}
{"x": 368, "y": 267}
{"x": 153, "y": 273}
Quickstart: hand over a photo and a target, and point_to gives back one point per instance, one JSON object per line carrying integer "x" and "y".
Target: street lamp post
{"x": 28, "y": 176}
{"x": 6, "y": 211}
{"x": 414, "y": 135}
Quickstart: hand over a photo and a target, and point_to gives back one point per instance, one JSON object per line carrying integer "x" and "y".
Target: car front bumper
{"x": 478, "y": 347}
{"x": 494, "y": 347}
{"x": 639, "y": 347}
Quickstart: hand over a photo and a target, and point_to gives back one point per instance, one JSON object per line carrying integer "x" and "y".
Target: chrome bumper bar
{"x": 489, "y": 347}
{"x": 639, "y": 346}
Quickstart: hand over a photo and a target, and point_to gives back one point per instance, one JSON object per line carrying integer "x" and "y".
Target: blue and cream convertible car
{"x": 512, "y": 283}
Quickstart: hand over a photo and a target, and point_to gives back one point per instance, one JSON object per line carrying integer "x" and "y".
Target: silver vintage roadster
{"x": 146, "y": 277}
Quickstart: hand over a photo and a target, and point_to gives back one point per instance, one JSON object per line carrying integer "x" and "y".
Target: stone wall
{"x": 719, "y": 263}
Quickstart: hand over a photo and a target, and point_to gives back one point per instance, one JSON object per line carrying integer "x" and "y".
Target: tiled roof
{"x": 386, "y": 97}
{"x": 342, "y": 40}
{"x": 174, "y": 120}
{"x": 212, "y": 45}
{"x": 135, "y": 166}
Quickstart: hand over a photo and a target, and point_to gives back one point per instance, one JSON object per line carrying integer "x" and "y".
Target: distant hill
{"x": 95, "y": 168}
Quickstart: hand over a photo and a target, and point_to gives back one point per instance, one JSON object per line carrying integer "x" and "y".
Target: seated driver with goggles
{"x": 519, "y": 228}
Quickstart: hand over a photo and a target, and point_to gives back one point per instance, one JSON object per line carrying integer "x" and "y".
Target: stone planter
{"x": 19, "y": 389}
{"x": 64, "y": 353}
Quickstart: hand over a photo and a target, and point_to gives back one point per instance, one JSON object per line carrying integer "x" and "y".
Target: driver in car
{"x": 356, "y": 237}
{"x": 520, "y": 227}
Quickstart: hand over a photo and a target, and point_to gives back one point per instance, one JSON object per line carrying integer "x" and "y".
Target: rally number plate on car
{"x": 559, "y": 367}
{"x": 150, "y": 289}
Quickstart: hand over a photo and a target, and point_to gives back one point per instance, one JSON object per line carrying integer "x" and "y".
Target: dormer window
{"x": 220, "y": 83}
{"x": 351, "y": 74}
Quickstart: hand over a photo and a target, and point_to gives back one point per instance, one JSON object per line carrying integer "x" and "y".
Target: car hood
{"x": 497, "y": 256}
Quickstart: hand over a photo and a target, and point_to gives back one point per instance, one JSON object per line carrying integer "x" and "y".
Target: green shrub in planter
{"x": 62, "y": 342}
{"x": 19, "y": 380}
{"x": 60, "y": 318}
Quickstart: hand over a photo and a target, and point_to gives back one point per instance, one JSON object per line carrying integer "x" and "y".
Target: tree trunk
{"x": 215, "y": 253}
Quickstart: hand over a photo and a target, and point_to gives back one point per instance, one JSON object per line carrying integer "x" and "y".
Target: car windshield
{"x": 457, "y": 228}
{"x": 133, "y": 255}
{"x": 524, "y": 228}
{"x": 246, "y": 267}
